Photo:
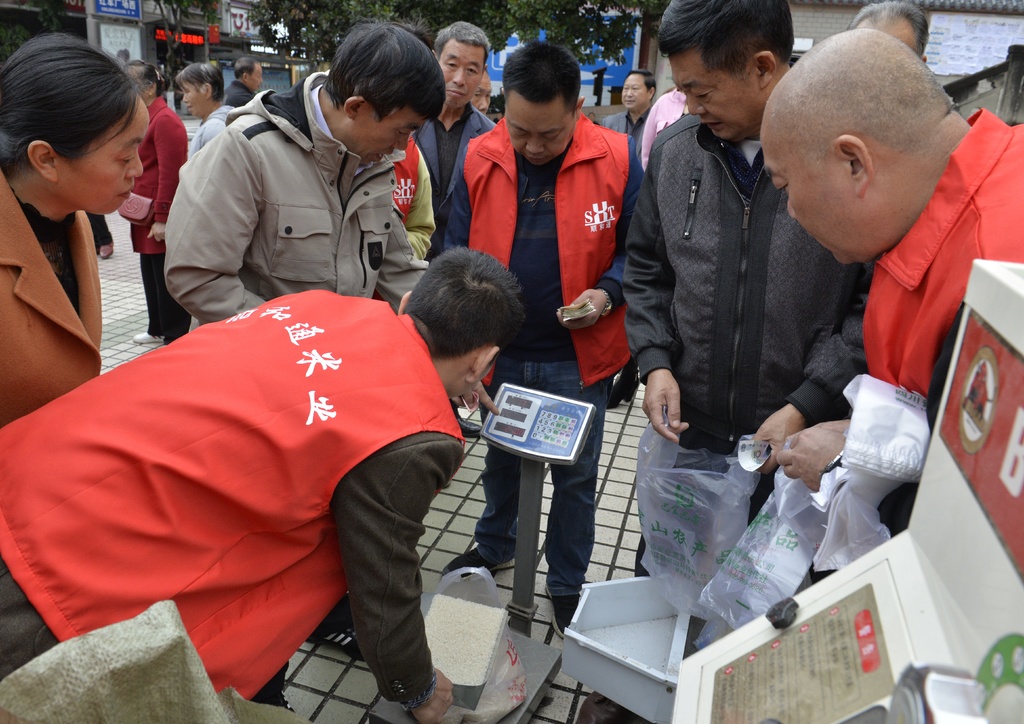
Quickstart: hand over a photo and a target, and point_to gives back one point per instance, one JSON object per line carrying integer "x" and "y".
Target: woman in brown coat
{"x": 52, "y": 170}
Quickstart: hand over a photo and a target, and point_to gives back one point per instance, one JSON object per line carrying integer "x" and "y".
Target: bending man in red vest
{"x": 550, "y": 195}
{"x": 210, "y": 473}
{"x": 908, "y": 184}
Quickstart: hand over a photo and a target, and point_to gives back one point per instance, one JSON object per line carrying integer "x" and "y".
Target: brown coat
{"x": 46, "y": 349}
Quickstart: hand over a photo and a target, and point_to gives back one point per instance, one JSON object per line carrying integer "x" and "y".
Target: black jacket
{"x": 747, "y": 310}
{"x": 237, "y": 94}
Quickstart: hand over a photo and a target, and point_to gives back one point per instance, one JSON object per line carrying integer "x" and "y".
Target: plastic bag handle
{"x": 470, "y": 584}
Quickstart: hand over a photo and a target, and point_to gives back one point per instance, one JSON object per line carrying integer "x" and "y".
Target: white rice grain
{"x": 462, "y": 636}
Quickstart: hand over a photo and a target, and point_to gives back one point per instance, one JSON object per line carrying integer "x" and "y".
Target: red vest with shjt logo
{"x": 407, "y": 176}
{"x": 588, "y": 202}
{"x": 203, "y": 473}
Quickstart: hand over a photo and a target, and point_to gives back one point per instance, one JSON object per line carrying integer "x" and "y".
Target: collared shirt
{"x": 314, "y": 94}
{"x": 635, "y": 130}
{"x": 448, "y": 140}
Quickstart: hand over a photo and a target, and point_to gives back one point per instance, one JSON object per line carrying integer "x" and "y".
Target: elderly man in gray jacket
{"x": 461, "y": 50}
{"x": 297, "y": 194}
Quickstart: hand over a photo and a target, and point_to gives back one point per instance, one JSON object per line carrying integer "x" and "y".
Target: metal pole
{"x": 531, "y": 492}
{"x": 92, "y": 24}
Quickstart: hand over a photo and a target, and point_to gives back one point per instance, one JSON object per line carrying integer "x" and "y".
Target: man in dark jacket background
{"x": 248, "y": 79}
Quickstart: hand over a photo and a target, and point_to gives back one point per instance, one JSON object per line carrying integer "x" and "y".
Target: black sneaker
{"x": 339, "y": 629}
{"x": 469, "y": 429}
{"x": 473, "y": 559}
{"x": 565, "y": 609}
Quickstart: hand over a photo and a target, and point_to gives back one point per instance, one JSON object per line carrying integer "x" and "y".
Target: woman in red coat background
{"x": 163, "y": 152}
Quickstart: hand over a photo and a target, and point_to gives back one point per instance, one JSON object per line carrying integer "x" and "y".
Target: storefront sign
{"x": 183, "y": 38}
{"x": 120, "y": 8}
{"x": 236, "y": 21}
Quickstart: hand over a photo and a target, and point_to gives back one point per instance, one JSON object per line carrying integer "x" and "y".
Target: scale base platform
{"x": 542, "y": 664}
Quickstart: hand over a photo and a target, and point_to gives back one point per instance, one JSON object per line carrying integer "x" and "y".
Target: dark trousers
{"x": 167, "y": 318}
{"x": 100, "y": 232}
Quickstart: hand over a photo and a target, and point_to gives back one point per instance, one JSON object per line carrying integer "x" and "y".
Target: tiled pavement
{"x": 324, "y": 684}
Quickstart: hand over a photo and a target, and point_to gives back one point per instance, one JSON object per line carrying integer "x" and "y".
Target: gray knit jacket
{"x": 747, "y": 310}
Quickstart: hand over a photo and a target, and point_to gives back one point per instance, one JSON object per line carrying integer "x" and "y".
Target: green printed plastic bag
{"x": 693, "y": 508}
{"x": 767, "y": 565}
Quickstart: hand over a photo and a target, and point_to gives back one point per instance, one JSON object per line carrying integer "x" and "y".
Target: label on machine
{"x": 822, "y": 669}
{"x": 983, "y": 427}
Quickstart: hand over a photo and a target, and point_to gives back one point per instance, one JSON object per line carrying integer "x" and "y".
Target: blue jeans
{"x": 570, "y": 533}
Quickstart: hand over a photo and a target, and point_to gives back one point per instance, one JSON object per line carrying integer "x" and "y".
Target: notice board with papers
{"x": 962, "y": 43}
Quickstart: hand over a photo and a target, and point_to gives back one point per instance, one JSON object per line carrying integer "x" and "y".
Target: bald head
{"x": 863, "y": 82}
{"x": 859, "y": 133}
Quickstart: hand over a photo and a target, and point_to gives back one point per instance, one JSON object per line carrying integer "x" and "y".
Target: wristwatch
{"x": 607, "y": 303}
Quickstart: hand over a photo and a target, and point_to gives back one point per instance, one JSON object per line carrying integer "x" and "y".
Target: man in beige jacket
{"x": 296, "y": 193}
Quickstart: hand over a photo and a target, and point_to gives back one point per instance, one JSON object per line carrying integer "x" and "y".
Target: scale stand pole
{"x": 531, "y": 494}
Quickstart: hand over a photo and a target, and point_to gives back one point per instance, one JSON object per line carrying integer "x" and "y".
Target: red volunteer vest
{"x": 588, "y": 202}
{"x": 918, "y": 286}
{"x": 203, "y": 473}
{"x": 407, "y": 176}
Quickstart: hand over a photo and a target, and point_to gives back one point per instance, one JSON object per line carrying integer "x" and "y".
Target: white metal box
{"x": 621, "y": 642}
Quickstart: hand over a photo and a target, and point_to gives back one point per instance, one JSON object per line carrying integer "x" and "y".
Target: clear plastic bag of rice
{"x": 470, "y": 642}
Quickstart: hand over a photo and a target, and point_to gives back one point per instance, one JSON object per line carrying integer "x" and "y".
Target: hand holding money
{"x": 577, "y": 310}
{"x": 584, "y": 311}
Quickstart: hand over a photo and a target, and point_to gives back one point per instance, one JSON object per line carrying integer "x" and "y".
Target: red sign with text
{"x": 983, "y": 427}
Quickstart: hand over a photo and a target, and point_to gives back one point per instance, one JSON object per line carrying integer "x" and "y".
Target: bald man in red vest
{"x": 209, "y": 475}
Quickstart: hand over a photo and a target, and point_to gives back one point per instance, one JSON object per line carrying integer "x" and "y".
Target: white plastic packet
{"x": 772, "y": 557}
{"x": 854, "y": 528}
{"x": 888, "y": 434}
{"x": 693, "y": 507}
{"x": 505, "y": 685}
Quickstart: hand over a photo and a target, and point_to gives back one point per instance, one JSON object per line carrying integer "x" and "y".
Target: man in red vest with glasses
{"x": 550, "y": 195}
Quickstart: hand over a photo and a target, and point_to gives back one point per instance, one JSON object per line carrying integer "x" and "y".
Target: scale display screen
{"x": 537, "y": 425}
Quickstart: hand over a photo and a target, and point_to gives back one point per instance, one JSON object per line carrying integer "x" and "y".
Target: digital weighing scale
{"x": 948, "y": 592}
{"x": 540, "y": 428}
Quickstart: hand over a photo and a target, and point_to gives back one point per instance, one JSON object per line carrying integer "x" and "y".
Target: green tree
{"x": 51, "y": 14}
{"x": 11, "y": 38}
{"x": 173, "y": 12}
{"x": 312, "y": 28}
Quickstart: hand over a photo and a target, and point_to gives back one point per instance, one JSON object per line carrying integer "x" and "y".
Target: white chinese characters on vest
{"x": 320, "y": 408}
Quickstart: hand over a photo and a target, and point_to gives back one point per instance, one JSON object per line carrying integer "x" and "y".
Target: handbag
{"x": 137, "y": 210}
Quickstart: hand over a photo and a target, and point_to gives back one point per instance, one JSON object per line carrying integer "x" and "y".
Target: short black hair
{"x": 245, "y": 64}
{"x": 727, "y": 33}
{"x": 465, "y": 300}
{"x": 647, "y": 75}
{"x": 388, "y": 66}
{"x": 199, "y": 74}
{"x": 44, "y": 78}
{"x": 891, "y": 11}
{"x": 541, "y": 72}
